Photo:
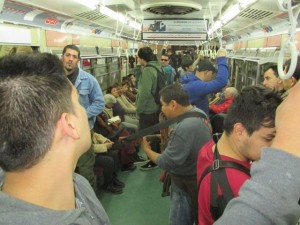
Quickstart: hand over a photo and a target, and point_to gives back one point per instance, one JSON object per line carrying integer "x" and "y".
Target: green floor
{"x": 140, "y": 203}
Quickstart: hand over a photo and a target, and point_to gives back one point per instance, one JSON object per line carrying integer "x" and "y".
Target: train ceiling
{"x": 71, "y": 15}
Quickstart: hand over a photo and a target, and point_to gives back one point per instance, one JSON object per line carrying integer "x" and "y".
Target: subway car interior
{"x": 109, "y": 33}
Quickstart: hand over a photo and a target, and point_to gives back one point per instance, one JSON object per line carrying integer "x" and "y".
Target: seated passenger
{"x": 107, "y": 157}
{"x": 115, "y": 131}
{"x": 118, "y": 110}
{"x": 230, "y": 93}
{"x": 248, "y": 127}
{"x": 130, "y": 96}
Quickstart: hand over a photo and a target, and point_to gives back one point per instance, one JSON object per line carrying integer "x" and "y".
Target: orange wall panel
{"x": 56, "y": 39}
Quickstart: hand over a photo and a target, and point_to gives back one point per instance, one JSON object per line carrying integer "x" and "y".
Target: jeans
{"x": 181, "y": 212}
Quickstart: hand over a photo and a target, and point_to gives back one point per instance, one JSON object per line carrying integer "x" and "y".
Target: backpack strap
{"x": 158, "y": 73}
{"x": 164, "y": 124}
{"x": 219, "y": 179}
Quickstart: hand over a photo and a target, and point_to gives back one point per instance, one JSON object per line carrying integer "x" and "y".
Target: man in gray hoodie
{"x": 44, "y": 130}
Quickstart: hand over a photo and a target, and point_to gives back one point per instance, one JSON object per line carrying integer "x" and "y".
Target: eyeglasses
{"x": 163, "y": 59}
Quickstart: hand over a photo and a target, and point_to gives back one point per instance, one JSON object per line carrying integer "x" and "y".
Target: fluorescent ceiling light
{"x": 245, "y": 3}
{"x": 232, "y": 12}
{"x": 88, "y": 3}
{"x": 119, "y": 17}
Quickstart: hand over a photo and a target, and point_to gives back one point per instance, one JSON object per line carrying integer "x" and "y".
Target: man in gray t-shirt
{"x": 180, "y": 156}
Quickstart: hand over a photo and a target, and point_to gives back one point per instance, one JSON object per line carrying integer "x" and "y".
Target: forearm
{"x": 151, "y": 154}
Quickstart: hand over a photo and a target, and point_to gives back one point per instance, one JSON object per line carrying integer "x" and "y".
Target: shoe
{"x": 139, "y": 159}
{"x": 118, "y": 183}
{"x": 129, "y": 167}
{"x": 149, "y": 166}
{"x": 113, "y": 189}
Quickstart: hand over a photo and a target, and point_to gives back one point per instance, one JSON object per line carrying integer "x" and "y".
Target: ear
{"x": 68, "y": 126}
{"x": 294, "y": 81}
{"x": 239, "y": 131}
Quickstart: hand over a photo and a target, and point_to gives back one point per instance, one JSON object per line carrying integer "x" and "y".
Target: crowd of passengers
{"x": 244, "y": 123}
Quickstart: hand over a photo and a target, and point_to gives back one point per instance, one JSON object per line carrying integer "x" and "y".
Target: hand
{"x": 108, "y": 144}
{"x": 145, "y": 144}
{"x": 221, "y": 52}
{"x": 287, "y": 123}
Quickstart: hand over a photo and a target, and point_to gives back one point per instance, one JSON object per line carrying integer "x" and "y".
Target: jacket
{"x": 98, "y": 143}
{"x": 90, "y": 95}
{"x": 223, "y": 107}
{"x": 198, "y": 89}
{"x": 146, "y": 88}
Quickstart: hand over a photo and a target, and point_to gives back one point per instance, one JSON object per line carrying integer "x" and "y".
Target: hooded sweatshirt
{"x": 89, "y": 210}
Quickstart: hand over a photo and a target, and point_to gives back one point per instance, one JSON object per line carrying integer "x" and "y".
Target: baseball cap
{"x": 205, "y": 64}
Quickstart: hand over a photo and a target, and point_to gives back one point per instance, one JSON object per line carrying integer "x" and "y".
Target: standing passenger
{"x": 272, "y": 79}
{"x": 248, "y": 127}
{"x": 90, "y": 97}
{"x": 146, "y": 107}
{"x": 40, "y": 155}
{"x": 291, "y": 82}
{"x": 168, "y": 69}
{"x": 180, "y": 156}
{"x": 202, "y": 83}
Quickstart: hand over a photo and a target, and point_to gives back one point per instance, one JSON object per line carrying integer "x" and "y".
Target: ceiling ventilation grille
{"x": 171, "y": 10}
{"x": 93, "y": 15}
{"x": 255, "y": 14}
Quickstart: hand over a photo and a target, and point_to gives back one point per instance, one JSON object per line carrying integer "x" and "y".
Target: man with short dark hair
{"x": 272, "y": 79}
{"x": 90, "y": 97}
{"x": 44, "y": 130}
{"x": 170, "y": 72}
{"x": 202, "y": 83}
{"x": 146, "y": 107}
{"x": 248, "y": 127}
{"x": 180, "y": 156}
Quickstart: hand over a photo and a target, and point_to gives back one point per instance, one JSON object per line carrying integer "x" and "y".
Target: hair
{"x": 109, "y": 89}
{"x": 74, "y": 47}
{"x": 274, "y": 68}
{"x": 233, "y": 91}
{"x": 254, "y": 107}
{"x": 166, "y": 55}
{"x": 146, "y": 54}
{"x": 125, "y": 82}
{"x": 34, "y": 92}
{"x": 186, "y": 63}
{"x": 296, "y": 74}
{"x": 175, "y": 92}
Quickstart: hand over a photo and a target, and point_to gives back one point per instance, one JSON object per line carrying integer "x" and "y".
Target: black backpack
{"x": 161, "y": 82}
{"x": 219, "y": 178}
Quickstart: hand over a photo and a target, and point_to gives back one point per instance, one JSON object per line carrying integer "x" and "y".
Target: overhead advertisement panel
{"x": 175, "y": 29}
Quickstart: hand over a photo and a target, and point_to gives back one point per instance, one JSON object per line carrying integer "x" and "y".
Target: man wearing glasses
{"x": 168, "y": 69}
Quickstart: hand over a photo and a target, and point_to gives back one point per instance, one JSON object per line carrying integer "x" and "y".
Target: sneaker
{"x": 149, "y": 166}
{"x": 112, "y": 189}
{"x": 140, "y": 159}
{"x": 118, "y": 183}
{"x": 129, "y": 167}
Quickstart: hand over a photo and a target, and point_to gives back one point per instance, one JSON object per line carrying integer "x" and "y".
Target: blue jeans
{"x": 181, "y": 211}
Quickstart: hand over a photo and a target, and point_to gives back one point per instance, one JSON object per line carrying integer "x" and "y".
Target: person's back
{"x": 39, "y": 157}
{"x": 248, "y": 126}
